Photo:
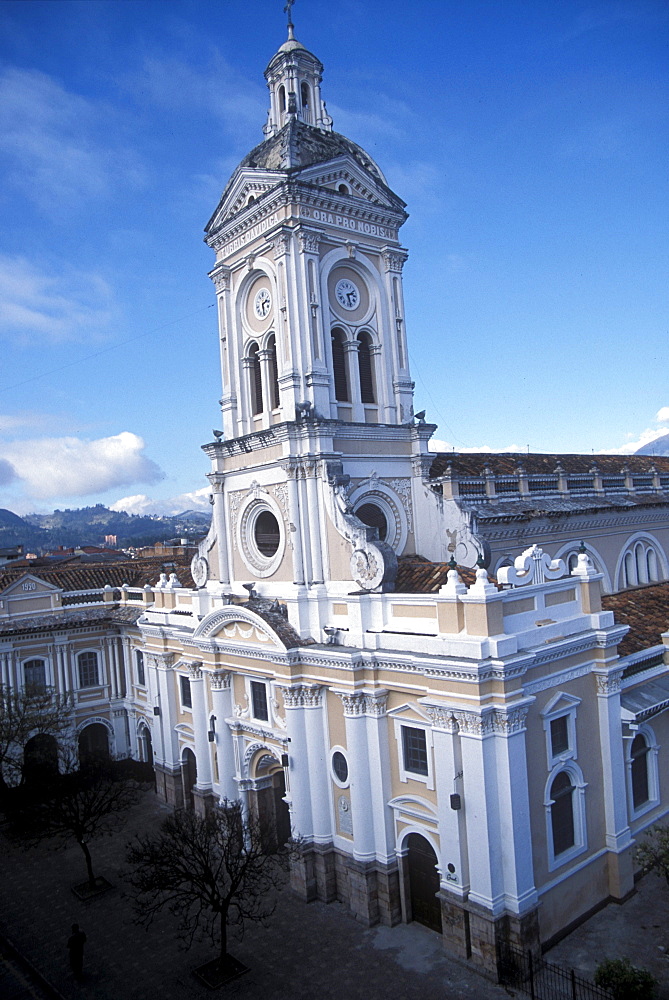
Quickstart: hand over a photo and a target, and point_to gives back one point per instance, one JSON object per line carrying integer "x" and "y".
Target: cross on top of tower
{"x": 288, "y": 10}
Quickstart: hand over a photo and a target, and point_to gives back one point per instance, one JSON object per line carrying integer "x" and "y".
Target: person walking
{"x": 75, "y": 944}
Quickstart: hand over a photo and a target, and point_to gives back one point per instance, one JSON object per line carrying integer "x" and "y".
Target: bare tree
{"x": 210, "y": 871}
{"x": 652, "y": 854}
{"x": 80, "y": 804}
{"x": 24, "y": 714}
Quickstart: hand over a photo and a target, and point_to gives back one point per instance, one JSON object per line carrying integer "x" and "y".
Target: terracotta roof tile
{"x": 506, "y": 463}
{"x": 416, "y": 575}
{"x": 645, "y": 610}
{"x": 73, "y": 574}
{"x": 62, "y": 621}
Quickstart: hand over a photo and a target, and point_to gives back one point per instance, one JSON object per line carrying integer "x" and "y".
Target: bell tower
{"x": 317, "y": 397}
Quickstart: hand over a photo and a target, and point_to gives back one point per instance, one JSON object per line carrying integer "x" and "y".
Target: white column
{"x": 300, "y": 789}
{"x": 497, "y": 809}
{"x": 452, "y": 830}
{"x": 221, "y": 698}
{"x": 617, "y": 830}
{"x": 319, "y": 784}
{"x": 353, "y": 372}
{"x": 169, "y": 742}
{"x": 481, "y": 813}
{"x": 378, "y": 757}
{"x": 295, "y": 536}
{"x": 221, "y": 532}
{"x": 200, "y": 725}
{"x": 359, "y": 775}
{"x": 108, "y": 677}
{"x": 314, "y": 525}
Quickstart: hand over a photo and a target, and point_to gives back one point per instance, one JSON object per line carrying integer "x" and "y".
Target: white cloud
{"x": 635, "y": 441}
{"x": 57, "y": 144}
{"x": 46, "y": 304}
{"x": 142, "y": 504}
{"x": 436, "y": 445}
{"x": 72, "y": 467}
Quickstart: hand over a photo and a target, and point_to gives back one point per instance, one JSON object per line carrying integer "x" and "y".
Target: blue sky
{"x": 529, "y": 140}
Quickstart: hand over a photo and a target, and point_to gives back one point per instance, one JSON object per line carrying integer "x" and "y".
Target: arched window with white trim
{"x": 564, "y": 803}
{"x": 641, "y": 751}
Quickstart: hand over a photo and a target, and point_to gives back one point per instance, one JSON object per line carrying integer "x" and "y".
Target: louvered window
{"x": 339, "y": 366}
{"x": 365, "y": 369}
{"x": 273, "y": 374}
{"x": 256, "y": 380}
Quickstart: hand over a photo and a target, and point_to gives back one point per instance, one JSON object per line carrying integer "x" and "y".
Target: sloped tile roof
{"x": 277, "y": 621}
{"x": 506, "y": 463}
{"x": 645, "y": 610}
{"x": 417, "y": 575}
{"x": 74, "y": 574}
{"x": 62, "y": 621}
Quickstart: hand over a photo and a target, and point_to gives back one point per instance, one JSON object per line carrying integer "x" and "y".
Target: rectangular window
{"x": 88, "y": 670}
{"x": 186, "y": 700}
{"x": 414, "y": 747}
{"x": 559, "y": 735}
{"x": 259, "y": 700}
{"x": 139, "y": 660}
{"x": 35, "y": 676}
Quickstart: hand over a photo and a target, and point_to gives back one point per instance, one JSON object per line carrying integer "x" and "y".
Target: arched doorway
{"x": 93, "y": 744}
{"x": 423, "y": 882}
{"x": 188, "y": 776}
{"x": 40, "y": 758}
{"x": 145, "y": 745}
{"x": 272, "y": 811}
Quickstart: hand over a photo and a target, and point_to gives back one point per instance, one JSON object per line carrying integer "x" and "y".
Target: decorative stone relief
{"x": 394, "y": 260}
{"x": 309, "y": 241}
{"x": 609, "y": 683}
{"x": 344, "y": 815}
{"x": 403, "y": 489}
{"x": 302, "y": 696}
{"x": 234, "y": 501}
{"x": 281, "y": 244}
{"x": 221, "y": 279}
{"x": 220, "y": 681}
{"x": 199, "y": 568}
{"x": 195, "y": 670}
{"x": 532, "y": 566}
{"x": 364, "y": 703}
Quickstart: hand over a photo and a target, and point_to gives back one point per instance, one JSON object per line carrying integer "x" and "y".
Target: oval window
{"x": 340, "y": 766}
{"x": 266, "y": 533}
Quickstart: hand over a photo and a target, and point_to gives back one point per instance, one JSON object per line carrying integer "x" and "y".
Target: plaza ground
{"x": 306, "y": 951}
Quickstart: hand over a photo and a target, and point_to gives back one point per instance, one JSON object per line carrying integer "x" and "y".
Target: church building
{"x": 404, "y": 658}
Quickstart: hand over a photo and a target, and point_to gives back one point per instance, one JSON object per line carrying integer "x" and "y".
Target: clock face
{"x": 347, "y": 294}
{"x": 262, "y": 304}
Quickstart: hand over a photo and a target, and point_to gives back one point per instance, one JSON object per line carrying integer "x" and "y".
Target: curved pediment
{"x": 238, "y": 625}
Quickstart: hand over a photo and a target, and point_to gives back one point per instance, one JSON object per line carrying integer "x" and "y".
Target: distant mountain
{"x": 89, "y": 525}
{"x": 660, "y": 446}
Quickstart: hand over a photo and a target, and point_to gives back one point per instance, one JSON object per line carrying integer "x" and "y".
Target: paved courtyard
{"x": 307, "y": 952}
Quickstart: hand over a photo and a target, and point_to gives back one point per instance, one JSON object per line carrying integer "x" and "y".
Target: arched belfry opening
{"x": 341, "y": 386}
{"x": 365, "y": 368}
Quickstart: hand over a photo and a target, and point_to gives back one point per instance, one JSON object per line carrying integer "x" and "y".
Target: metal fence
{"x": 542, "y": 980}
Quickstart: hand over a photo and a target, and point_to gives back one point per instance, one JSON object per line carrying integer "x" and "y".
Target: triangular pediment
{"x": 245, "y": 184}
{"x": 409, "y": 712}
{"x": 346, "y": 171}
{"x": 560, "y": 702}
{"x": 29, "y": 585}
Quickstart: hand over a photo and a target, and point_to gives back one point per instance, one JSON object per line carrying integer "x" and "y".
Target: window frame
{"x": 186, "y": 704}
{"x": 80, "y": 675}
{"x": 563, "y": 705}
{"x": 579, "y": 819}
{"x": 32, "y": 687}
{"x": 333, "y": 774}
{"x": 140, "y": 667}
{"x": 405, "y": 773}
{"x": 652, "y": 749}
{"x": 258, "y": 685}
